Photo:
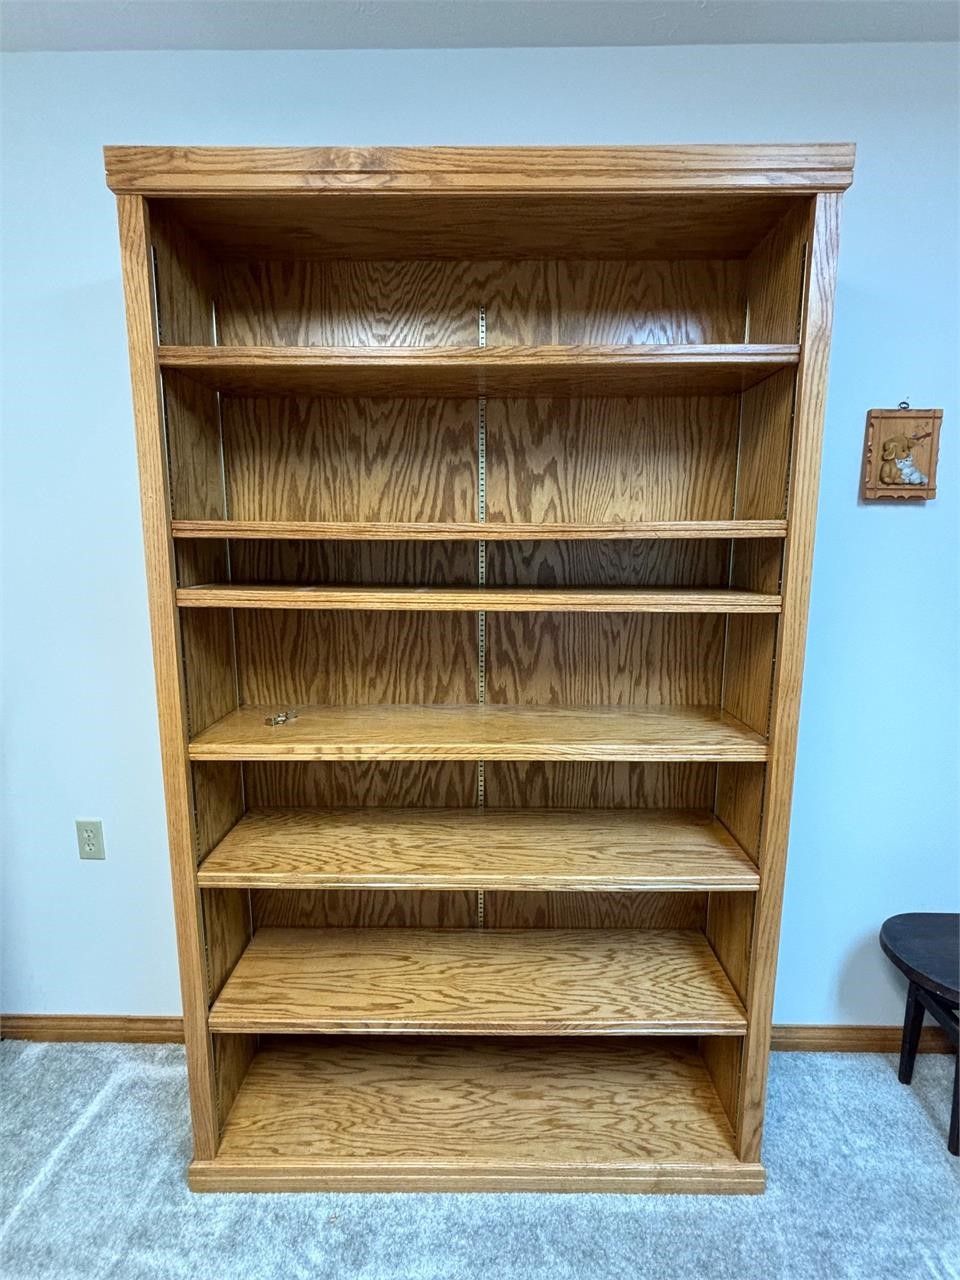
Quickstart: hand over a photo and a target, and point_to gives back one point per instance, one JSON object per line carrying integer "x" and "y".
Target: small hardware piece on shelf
{"x": 280, "y": 718}
{"x": 900, "y": 453}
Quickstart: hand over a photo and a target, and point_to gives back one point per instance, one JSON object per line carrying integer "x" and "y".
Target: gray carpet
{"x": 94, "y": 1141}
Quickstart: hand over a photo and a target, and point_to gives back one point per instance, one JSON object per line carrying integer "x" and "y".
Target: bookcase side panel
{"x": 165, "y": 630}
{"x": 823, "y": 241}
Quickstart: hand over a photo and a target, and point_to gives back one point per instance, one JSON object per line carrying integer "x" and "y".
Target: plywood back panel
{"x": 452, "y": 564}
{"x": 354, "y": 909}
{"x": 610, "y": 459}
{"x": 604, "y": 659}
{"x": 598, "y": 785}
{"x": 350, "y": 459}
{"x": 458, "y": 224}
{"x": 435, "y": 302}
{"x": 617, "y": 563}
{"x": 324, "y": 784}
{"x": 344, "y": 659}
{"x": 594, "y": 910}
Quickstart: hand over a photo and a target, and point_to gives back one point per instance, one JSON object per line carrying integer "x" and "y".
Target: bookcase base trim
{"x": 652, "y": 1179}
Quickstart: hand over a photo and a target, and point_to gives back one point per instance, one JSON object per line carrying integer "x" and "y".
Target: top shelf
{"x": 470, "y": 371}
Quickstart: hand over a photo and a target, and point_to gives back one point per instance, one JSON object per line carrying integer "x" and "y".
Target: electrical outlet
{"x": 90, "y": 838}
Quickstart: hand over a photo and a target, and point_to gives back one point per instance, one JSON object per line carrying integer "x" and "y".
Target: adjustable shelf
{"x": 520, "y": 849}
{"x": 659, "y": 369}
{"x": 490, "y": 599}
{"x": 358, "y": 530}
{"x": 475, "y": 732}
{"x": 478, "y": 491}
{"x": 478, "y": 981}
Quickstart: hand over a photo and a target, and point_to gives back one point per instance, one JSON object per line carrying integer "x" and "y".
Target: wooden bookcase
{"x": 478, "y": 493}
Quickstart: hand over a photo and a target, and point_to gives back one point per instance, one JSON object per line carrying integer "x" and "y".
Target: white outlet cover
{"x": 90, "y": 839}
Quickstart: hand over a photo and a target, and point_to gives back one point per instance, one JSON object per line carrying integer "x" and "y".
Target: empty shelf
{"x": 546, "y": 849}
{"x": 490, "y": 981}
{"x": 470, "y": 371}
{"x": 474, "y": 732}
{"x": 355, "y": 531}
{"x": 492, "y": 599}
{"x": 614, "y": 1115}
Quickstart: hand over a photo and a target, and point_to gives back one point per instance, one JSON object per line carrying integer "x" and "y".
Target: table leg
{"x": 912, "y": 1022}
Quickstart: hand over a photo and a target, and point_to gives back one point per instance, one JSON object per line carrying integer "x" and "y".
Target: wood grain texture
{"x": 554, "y": 370}
{"x": 490, "y": 599}
{"x": 774, "y": 278}
{"x": 616, "y": 563}
{"x": 748, "y": 669}
{"x": 218, "y": 796}
{"x": 798, "y": 558}
{"x": 352, "y": 531}
{"x": 723, "y": 1059}
{"x": 435, "y": 303}
{"x": 603, "y": 461}
{"x": 70, "y": 1028}
{"x": 209, "y": 666}
{"x": 228, "y": 171}
{"x": 756, "y": 565}
{"x": 566, "y": 659}
{"x": 738, "y": 803}
{"x": 227, "y": 931}
{"x": 763, "y": 466}
{"x": 339, "y": 459}
{"x": 194, "y": 449}
{"x": 587, "y": 849}
{"x": 232, "y": 1056}
{"x": 409, "y": 1114}
{"x": 386, "y": 563}
{"x": 788, "y": 1038}
{"x": 184, "y": 282}
{"x": 504, "y": 909}
{"x": 729, "y": 930}
{"x": 500, "y": 982}
{"x": 344, "y": 659}
{"x": 363, "y": 909}
{"x": 394, "y": 226}
{"x": 591, "y": 784}
{"x": 471, "y": 732}
{"x": 332, "y": 784}
{"x": 165, "y": 632}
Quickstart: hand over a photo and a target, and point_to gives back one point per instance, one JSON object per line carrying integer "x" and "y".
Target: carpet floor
{"x": 94, "y": 1141}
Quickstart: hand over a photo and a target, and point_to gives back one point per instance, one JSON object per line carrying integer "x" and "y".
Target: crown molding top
{"x": 264, "y": 171}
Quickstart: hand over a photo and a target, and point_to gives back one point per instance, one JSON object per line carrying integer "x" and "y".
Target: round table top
{"x": 925, "y": 945}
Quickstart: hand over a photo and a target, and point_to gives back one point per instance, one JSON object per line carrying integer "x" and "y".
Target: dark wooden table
{"x": 925, "y": 945}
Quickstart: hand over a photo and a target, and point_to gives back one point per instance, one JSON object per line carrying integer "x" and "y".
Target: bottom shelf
{"x": 420, "y": 1115}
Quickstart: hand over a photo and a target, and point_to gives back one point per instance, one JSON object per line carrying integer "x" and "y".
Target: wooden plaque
{"x": 900, "y": 453}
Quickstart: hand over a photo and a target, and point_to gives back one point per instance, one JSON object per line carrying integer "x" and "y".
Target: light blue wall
{"x": 875, "y": 814}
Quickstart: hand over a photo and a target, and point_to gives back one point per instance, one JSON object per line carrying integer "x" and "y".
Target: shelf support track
{"x": 481, "y": 576}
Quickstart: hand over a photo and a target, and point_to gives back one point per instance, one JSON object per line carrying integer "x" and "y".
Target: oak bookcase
{"x": 478, "y": 493}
